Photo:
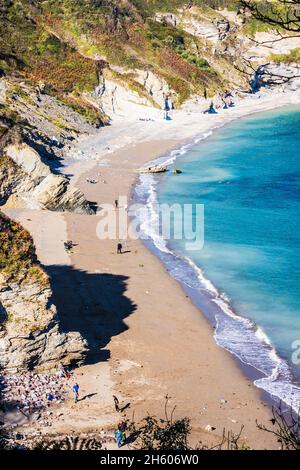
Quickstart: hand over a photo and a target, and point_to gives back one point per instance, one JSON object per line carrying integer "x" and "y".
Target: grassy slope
{"x": 38, "y": 56}
{"x": 42, "y": 39}
{"x": 66, "y": 43}
{"x": 293, "y": 57}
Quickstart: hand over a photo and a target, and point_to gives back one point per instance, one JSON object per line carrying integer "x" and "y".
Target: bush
{"x": 292, "y": 57}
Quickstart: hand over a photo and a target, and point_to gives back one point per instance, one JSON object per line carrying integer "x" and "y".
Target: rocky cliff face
{"x": 30, "y": 334}
{"x": 246, "y": 59}
{"x": 116, "y": 97}
{"x": 283, "y": 76}
{"x": 96, "y": 57}
{"x": 35, "y": 129}
{"x": 31, "y": 144}
{"x": 25, "y": 175}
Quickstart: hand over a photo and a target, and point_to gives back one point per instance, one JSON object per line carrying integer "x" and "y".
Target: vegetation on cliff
{"x": 291, "y": 57}
{"x": 67, "y": 43}
{"x": 18, "y": 261}
{"x": 282, "y": 15}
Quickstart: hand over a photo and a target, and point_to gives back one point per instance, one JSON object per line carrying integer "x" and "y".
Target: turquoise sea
{"x": 247, "y": 276}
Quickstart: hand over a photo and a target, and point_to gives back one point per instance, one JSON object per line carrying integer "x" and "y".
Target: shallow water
{"x": 247, "y": 175}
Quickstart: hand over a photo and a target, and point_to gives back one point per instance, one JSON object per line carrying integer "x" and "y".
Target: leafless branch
{"x": 287, "y": 18}
{"x": 285, "y": 427}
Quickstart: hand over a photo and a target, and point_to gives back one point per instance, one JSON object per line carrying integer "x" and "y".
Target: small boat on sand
{"x": 153, "y": 169}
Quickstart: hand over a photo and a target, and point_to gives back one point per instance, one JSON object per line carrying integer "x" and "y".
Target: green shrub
{"x": 292, "y": 57}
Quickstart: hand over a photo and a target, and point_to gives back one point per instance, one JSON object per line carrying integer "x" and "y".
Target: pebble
{"x": 209, "y": 428}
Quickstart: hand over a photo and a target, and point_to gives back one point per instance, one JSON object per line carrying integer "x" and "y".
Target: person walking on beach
{"x": 75, "y": 390}
{"x": 119, "y": 438}
{"x": 119, "y": 248}
{"x": 116, "y": 203}
{"x": 117, "y": 408}
{"x": 122, "y": 426}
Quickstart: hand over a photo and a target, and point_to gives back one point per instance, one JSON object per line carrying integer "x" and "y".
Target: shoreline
{"x": 202, "y": 295}
{"x": 142, "y": 357}
{"x": 182, "y": 129}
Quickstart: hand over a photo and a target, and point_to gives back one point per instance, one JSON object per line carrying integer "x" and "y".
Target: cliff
{"x": 97, "y": 58}
{"x": 31, "y": 145}
{"x": 29, "y": 325}
{"x": 33, "y": 183}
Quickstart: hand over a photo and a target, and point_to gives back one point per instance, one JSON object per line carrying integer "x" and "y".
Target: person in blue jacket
{"x": 75, "y": 390}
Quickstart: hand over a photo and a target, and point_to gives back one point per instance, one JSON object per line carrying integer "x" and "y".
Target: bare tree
{"x": 283, "y": 15}
{"x": 285, "y": 427}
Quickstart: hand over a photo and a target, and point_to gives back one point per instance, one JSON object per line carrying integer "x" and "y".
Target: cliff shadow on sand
{"x": 93, "y": 304}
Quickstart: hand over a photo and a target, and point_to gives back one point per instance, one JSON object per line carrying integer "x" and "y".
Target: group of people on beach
{"x": 122, "y": 426}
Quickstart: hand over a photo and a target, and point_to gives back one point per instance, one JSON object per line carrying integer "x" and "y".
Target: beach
{"x": 148, "y": 340}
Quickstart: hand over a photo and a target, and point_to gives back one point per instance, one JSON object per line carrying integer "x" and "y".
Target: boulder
{"x": 54, "y": 193}
{"x": 28, "y": 160}
{"x": 24, "y": 174}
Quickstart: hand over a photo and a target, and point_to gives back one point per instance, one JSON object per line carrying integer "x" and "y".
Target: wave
{"x": 239, "y": 335}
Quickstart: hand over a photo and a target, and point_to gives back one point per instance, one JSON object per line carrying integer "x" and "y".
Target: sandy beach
{"x": 147, "y": 340}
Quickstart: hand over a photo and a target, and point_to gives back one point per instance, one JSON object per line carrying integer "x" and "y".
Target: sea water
{"x": 247, "y": 275}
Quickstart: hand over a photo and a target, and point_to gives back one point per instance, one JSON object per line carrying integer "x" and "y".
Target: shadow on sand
{"x": 93, "y": 304}
{"x": 90, "y": 395}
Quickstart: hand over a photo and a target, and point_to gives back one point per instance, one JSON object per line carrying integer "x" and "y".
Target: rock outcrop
{"x": 30, "y": 335}
{"x": 118, "y": 98}
{"x": 32, "y": 142}
{"x": 23, "y": 173}
{"x": 155, "y": 86}
{"x": 279, "y": 75}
